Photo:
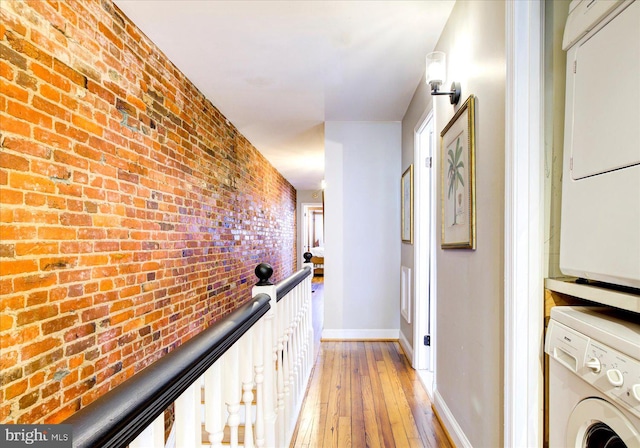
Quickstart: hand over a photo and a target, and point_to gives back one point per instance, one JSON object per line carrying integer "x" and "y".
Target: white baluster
{"x": 281, "y": 362}
{"x": 187, "y": 419}
{"x": 232, "y": 391}
{"x": 301, "y": 341}
{"x": 289, "y": 359}
{"x": 309, "y": 328}
{"x": 214, "y": 403}
{"x": 258, "y": 356}
{"x": 293, "y": 345}
{"x": 246, "y": 375}
{"x": 270, "y": 357}
{"x": 152, "y": 436}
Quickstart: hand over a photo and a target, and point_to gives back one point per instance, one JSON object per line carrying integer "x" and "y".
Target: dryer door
{"x": 596, "y": 423}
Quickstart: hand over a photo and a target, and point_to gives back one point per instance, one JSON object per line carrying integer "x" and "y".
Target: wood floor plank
{"x": 333, "y": 410}
{"x": 431, "y": 432}
{"x": 357, "y": 412}
{"x": 365, "y": 394}
{"x": 382, "y": 417}
{"x": 401, "y": 400}
{"x": 397, "y": 427}
{"x": 371, "y": 428}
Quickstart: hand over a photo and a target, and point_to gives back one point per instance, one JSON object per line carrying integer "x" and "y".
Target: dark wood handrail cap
{"x": 264, "y": 271}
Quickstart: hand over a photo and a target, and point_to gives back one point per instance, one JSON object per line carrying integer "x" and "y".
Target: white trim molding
{"x": 406, "y": 347}
{"x": 360, "y": 335}
{"x": 524, "y": 210}
{"x": 448, "y": 421}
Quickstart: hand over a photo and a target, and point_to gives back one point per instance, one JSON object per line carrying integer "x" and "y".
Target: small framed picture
{"x": 407, "y": 205}
{"x": 458, "y": 179}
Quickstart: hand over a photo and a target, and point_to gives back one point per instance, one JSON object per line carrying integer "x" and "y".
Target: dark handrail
{"x": 119, "y": 416}
{"x": 286, "y": 285}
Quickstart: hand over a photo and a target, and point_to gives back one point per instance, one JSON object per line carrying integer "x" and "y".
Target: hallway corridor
{"x": 365, "y": 394}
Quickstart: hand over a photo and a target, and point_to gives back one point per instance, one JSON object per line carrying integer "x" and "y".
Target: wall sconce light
{"x": 437, "y": 73}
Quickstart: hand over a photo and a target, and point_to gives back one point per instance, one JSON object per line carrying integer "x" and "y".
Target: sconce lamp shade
{"x": 436, "y": 68}
{"x": 436, "y": 73}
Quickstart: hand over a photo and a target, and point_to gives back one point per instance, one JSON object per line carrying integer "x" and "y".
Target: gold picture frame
{"x": 458, "y": 160}
{"x": 407, "y": 205}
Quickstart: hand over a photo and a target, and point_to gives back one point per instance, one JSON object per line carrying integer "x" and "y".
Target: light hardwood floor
{"x": 365, "y": 394}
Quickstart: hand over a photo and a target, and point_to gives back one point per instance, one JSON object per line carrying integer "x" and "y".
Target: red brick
{"x": 29, "y": 282}
{"x": 56, "y": 233}
{"x": 29, "y": 147}
{"x": 13, "y": 162}
{"x": 6, "y": 322}
{"x": 12, "y": 126}
{"x": 70, "y": 73}
{"x": 37, "y": 298}
{"x": 59, "y": 324}
{"x": 50, "y": 108}
{"x": 78, "y": 275}
{"x": 95, "y": 313}
{"x": 18, "y": 337}
{"x": 87, "y": 125}
{"x": 36, "y": 248}
{"x": 35, "y": 216}
{"x": 75, "y": 304}
{"x": 28, "y": 114}
{"x": 13, "y": 91}
{"x": 27, "y": 81}
{"x": 12, "y": 267}
{"x": 50, "y": 93}
{"x": 6, "y": 71}
{"x": 40, "y": 411}
{"x": 71, "y": 132}
{"x": 11, "y": 196}
{"x": 37, "y": 314}
{"x": 48, "y": 76}
{"x": 29, "y": 182}
{"x": 16, "y": 389}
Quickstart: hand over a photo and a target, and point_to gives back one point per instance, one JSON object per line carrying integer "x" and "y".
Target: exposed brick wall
{"x": 132, "y": 212}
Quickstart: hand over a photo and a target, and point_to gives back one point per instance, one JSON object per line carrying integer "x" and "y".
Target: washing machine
{"x": 594, "y": 378}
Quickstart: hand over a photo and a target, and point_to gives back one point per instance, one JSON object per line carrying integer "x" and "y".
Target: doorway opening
{"x": 424, "y": 340}
{"x": 313, "y": 227}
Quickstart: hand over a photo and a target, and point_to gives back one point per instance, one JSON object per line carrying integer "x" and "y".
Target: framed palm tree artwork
{"x": 458, "y": 179}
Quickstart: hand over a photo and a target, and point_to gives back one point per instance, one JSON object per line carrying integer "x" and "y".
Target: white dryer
{"x": 594, "y": 378}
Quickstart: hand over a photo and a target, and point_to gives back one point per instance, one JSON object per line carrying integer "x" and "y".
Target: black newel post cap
{"x": 307, "y": 257}
{"x": 263, "y": 272}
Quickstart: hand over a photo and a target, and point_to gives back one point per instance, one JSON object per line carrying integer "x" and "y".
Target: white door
{"x": 424, "y": 227}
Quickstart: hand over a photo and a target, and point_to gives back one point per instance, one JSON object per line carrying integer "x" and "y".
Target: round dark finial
{"x": 263, "y": 272}
{"x": 307, "y": 257}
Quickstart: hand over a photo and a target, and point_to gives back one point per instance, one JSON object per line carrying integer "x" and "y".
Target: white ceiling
{"x": 279, "y": 69}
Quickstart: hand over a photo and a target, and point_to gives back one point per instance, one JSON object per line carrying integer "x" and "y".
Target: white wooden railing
{"x": 239, "y": 383}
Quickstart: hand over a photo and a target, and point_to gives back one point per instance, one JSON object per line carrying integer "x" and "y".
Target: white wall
{"x": 469, "y": 336}
{"x": 362, "y": 229}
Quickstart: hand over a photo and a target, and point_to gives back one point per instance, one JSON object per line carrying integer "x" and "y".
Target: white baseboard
{"x": 360, "y": 335}
{"x": 406, "y": 346}
{"x": 453, "y": 428}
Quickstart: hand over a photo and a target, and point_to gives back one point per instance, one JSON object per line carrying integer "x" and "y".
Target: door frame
{"x": 523, "y": 234}
{"x": 424, "y": 251}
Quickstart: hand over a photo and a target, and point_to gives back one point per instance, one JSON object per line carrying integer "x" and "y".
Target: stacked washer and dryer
{"x": 594, "y": 352}
{"x": 594, "y": 378}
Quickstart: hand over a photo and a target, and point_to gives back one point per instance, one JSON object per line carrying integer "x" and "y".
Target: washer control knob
{"x": 635, "y": 391}
{"x": 615, "y": 377}
{"x": 594, "y": 365}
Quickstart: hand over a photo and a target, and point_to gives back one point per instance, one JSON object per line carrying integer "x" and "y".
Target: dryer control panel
{"x": 615, "y": 374}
